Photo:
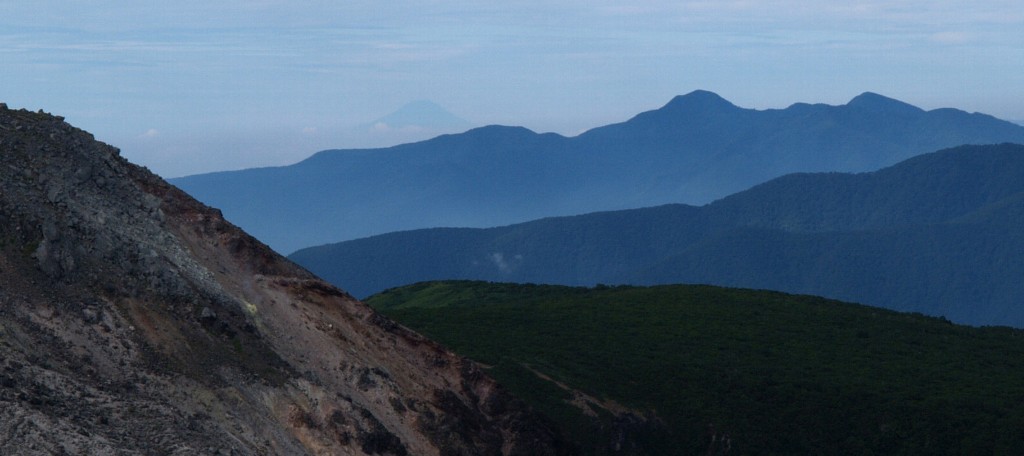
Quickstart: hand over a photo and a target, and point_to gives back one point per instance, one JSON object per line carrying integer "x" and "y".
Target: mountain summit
{"x": 875, "y": 102}
{"x": 698, "y": 100}
{"x": 422, "y": 115}
{"x": 134, "y": 319}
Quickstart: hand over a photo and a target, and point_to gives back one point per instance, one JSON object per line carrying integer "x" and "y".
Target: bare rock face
{"x": 133, "y": 319}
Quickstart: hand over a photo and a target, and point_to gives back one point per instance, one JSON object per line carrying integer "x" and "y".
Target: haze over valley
{"x": 933, "y": 234}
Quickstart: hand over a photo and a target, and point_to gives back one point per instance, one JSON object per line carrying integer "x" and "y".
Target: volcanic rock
{"x": 135, "y": 320}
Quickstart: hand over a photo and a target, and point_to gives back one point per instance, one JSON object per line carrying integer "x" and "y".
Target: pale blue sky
{"x": 194, "y": 86}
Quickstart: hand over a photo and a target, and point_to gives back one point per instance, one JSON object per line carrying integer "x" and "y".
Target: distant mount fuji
{"x": 697, "y": 148}
{"x": 422, "y": 115}
{"x": 415, "y": 121}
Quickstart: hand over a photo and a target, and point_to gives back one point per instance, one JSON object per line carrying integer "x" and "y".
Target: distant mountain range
{"x": 697, "y": 148}
{"x": 937, "y": 234}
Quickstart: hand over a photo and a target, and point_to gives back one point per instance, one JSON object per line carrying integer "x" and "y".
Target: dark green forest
{"x": 700, "y": 369}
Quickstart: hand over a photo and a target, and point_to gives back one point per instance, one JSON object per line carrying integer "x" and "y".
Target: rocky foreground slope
{"x": 134, "y": 319}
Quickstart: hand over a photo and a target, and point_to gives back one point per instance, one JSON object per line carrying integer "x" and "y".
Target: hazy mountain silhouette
{"x": 421, "y": 115}
{"x": 937, "y": 234}
{"x": 415, "y": 121}
{"x": 697, "y": 148}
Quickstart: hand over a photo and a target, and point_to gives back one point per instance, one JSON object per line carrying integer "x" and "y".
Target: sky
{"x": 196, "y": 86}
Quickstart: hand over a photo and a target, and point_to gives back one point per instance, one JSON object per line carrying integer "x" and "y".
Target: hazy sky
{"x": 192, "y": 86}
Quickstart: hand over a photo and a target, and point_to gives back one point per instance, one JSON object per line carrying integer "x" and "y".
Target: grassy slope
{"x": 780, "y": 374}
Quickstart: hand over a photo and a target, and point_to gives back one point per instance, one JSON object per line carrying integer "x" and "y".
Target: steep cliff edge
{"x": 135, "y": 319}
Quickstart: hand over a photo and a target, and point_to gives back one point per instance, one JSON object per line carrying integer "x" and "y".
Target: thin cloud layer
{"x": 195, "y": 68}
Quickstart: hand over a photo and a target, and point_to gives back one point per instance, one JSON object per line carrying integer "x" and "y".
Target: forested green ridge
{"x": 690, "y": 369}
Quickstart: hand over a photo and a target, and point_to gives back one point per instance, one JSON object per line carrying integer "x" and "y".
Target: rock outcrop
{"x": 134, "y": 319}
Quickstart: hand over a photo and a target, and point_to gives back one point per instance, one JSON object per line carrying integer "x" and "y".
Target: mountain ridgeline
{"x": 695, "y": 149}
{"x": 937, "y": 234}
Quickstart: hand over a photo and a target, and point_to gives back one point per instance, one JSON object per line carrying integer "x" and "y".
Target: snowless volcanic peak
{"x": 134, "y": 319}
